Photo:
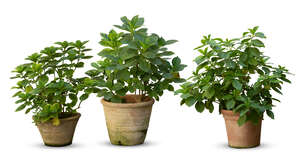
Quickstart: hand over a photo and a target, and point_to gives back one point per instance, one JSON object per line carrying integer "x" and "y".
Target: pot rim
{"x": 74, "y": 116}
{"x": 128, "y": 105}
{"x": 229, "y": 112}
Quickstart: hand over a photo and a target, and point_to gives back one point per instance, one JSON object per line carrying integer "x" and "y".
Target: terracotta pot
{"x": 245, "y": 136}
{"x": 127, "y": 123}
{"x": 60, "y": 135}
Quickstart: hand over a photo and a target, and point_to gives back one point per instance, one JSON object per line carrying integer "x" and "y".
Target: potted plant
{"x": 237, "y": 76}
{"x": 136, "y": 62}
{"x": 48, "y": 89}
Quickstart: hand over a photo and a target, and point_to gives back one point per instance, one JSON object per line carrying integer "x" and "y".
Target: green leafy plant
{"x": 47, "y": 86}
{"x": 133, "y": 61}
{"x": 236, "y": 75}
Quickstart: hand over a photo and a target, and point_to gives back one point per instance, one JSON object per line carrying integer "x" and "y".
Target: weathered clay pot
{"x": 60, "y": 135}
{"x": 127, "y": 123}
{"x": 245, "y": 136}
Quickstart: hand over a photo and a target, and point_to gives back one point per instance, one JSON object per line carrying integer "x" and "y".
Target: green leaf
{"x": 270, "y": 114}
{"x": 43, "y": 80}
{"x": 199, "y": 59}
{"x": 171, "y": 42}
{"x": 122, "y": 92}
{"x": 84, "y": 97}
{"x": 127, "y": 53}
{"x": 185, "y": 95}
{"x": 144, "y": 65}
{"x": 199, "y": 106}
{"x": 28, "y": 89}
{"x": 243, "y": 112}
{"x": 209, "y": 93}
{"x": 258, "y": 43}
{"x": 123, "y": 75}
{"x": 116, "y": 99}
{"x": 260, "y": 35}
{"x": 209, "y": 106}
{"x": 139, "y": 22}
{"x": 55, "y": 121}
{"x": 149, "y": 54}
{"x": 230, "y": 104}
{"x": 190, "y": 101}
{"x": 237, "y": 85}
{"x": 176, "y": 61}
{"x": 21, "y": 107}
{"x": 242, "y": 120}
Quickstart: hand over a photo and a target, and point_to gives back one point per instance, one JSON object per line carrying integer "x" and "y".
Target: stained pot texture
{"x": 60, "y": 135}
{"x": 245, "y": 136}
{"x": 127, "y": 123}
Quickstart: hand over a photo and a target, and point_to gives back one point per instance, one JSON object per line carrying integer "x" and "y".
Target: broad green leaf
{"x": 84, "y": 97}
{"x": 242, "y": 120}
{"x": 260, "y": 35}
{"x": 28, "y": 89}
{"x": 43, "y": 80}
{"x": 116, "y": 99}
{"x": 257, "y": 43}
{"x": 190, "y": 101}
{"x": 237, "y": 85}
{"x": 127, "y": 53}
{"x": 209, "y": 93}
{"x": 123, "y": 75}
{"x": 185, "y": 95}
{"x": 200, "y": 106}
{"x": 230, "y": 104}
{"x": 176, "y": 61}
{"x": 270, "y": 114}
{"x": 144, "y": 65}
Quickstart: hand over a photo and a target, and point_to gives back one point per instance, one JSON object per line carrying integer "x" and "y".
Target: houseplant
{"x": 136, "y": 62}
{"x": 47, "y": 88}
{"x": 237, "y": 76}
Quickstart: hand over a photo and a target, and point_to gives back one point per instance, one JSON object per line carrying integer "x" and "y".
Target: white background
{"x": 176, "y": 132}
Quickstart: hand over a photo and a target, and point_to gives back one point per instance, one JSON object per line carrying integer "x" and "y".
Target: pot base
{"x": 125, "y": 138}
{"x": 243, "y": 147}
{"x": 57, "y": 145}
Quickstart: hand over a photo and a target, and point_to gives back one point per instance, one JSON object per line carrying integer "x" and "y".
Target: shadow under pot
{"x": 127, "y": 123}
{"x": 61, "y": 135}
{"x": 245, "y": 136}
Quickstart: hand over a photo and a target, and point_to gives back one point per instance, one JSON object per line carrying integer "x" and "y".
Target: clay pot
{"x": 60, "y": 135}
{"x": 245, "y": 136}
{"x": 127, "y": 123}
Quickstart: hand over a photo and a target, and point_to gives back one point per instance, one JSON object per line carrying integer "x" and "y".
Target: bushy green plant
{"x": 133, "y": 61}
{"x": 226, "y": 75}
{"x": 47, "y": 86}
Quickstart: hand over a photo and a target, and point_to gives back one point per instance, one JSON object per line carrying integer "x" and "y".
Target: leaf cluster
{"x": 235, "y": 75}
{"x": 46, "y": 84}
{"x": 134, "y": 61}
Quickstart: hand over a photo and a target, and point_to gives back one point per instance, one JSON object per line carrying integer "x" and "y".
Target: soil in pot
{"x": 127, "y": 123}
{"x": 62, "y": 134}
{"x": 245, "y": 136}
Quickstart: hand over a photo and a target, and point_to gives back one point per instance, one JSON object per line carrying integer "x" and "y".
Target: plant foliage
{"x": 236, "y": 75}
{"x": 134, "y": 61}
{"x": 47, "y": 86}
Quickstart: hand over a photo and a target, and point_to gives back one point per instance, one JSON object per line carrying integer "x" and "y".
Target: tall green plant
{"x": 226, "y": 76}
{"x": 133, "y": 61}
{"x": 47, "y": 86}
